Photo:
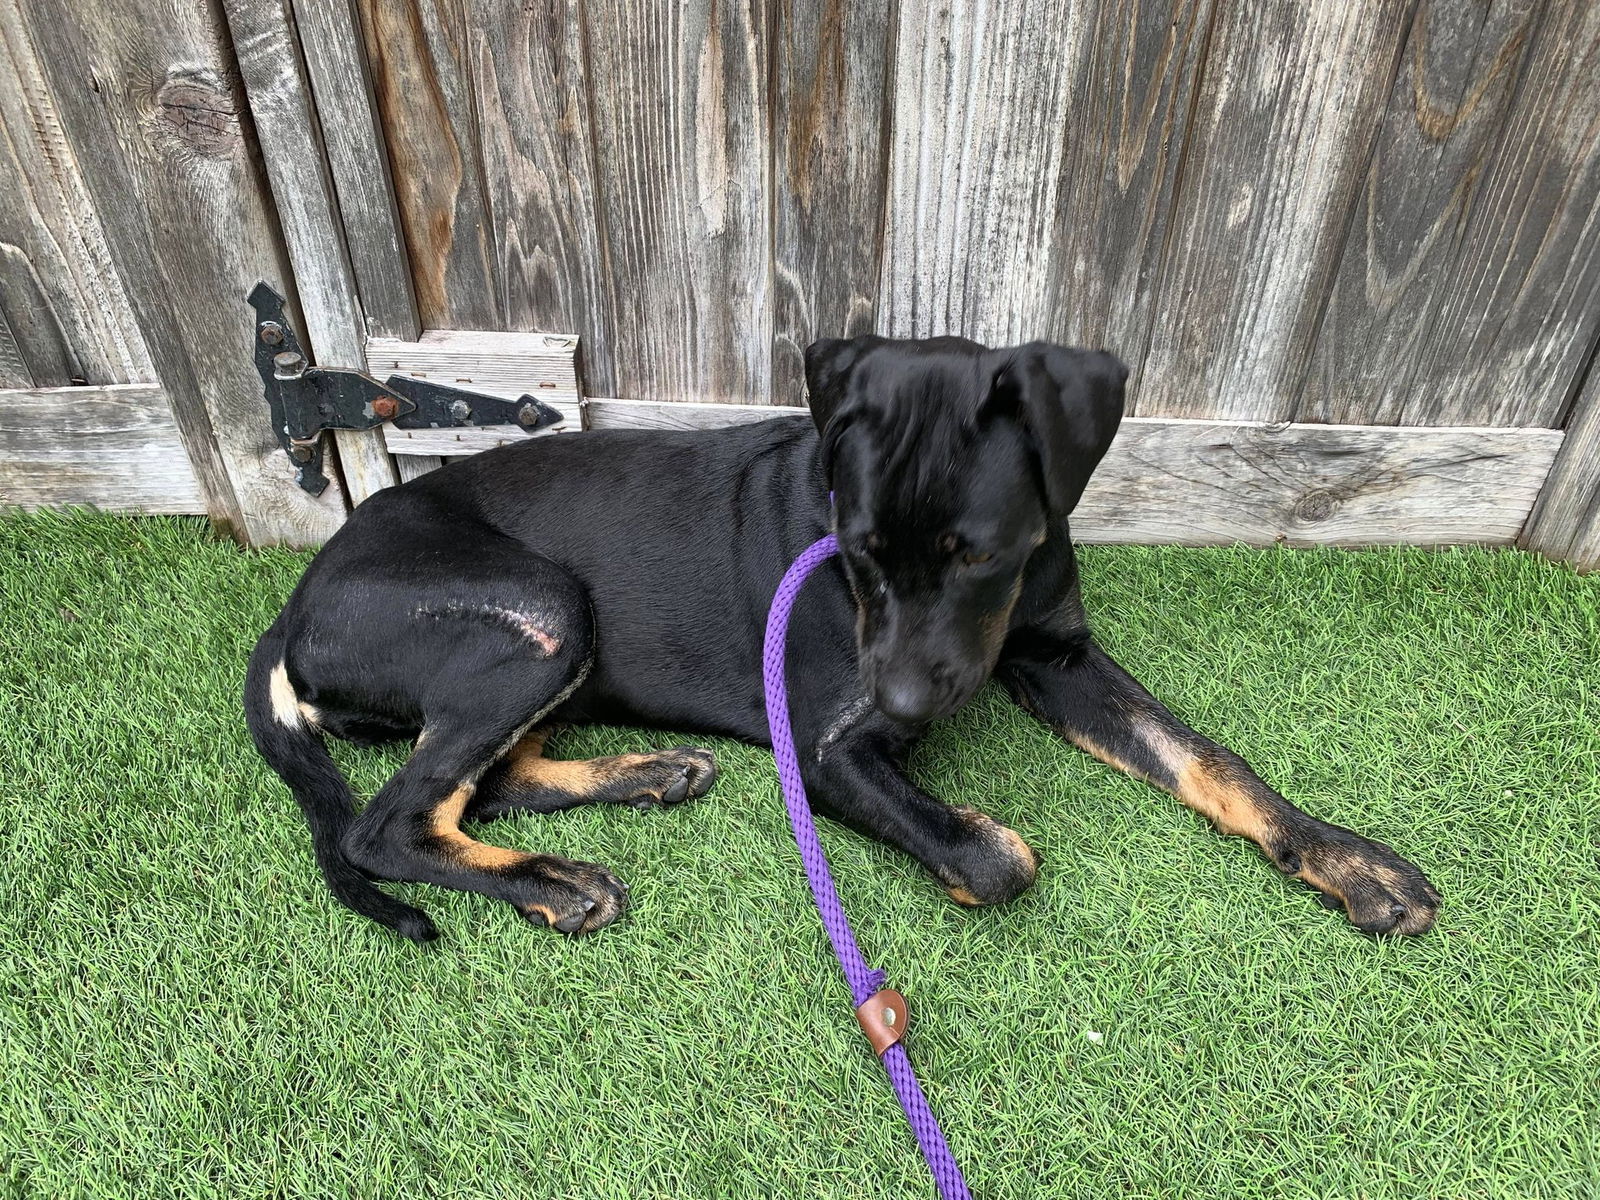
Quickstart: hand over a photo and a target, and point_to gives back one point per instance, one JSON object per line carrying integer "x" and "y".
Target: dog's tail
{"x": 296, "y": 752}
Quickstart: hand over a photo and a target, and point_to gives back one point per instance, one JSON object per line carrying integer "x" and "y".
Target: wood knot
{"x": 1316, "y": 506}
{"x": 197, "y": 109}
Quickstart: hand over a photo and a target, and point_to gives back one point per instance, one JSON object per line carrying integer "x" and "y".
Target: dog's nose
{"x": 909, "y": 701}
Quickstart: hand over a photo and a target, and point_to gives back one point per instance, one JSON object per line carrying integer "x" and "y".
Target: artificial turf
{"x": 184, "y": 1010}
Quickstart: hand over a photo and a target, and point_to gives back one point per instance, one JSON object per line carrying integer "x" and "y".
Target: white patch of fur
{"x": 285, "y": 704}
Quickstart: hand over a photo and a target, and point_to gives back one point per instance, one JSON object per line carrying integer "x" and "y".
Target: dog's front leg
{"x": 1075, "y": 688}
{"x": 857, "y": 778}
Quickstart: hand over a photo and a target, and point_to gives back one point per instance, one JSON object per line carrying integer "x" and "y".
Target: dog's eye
{"x": 971, "y": 559}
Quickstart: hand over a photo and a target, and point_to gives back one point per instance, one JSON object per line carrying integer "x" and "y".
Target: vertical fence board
{"x": 358, "y": 159}
{"x": 1521, "y": 309}
{"x": 1132, "y": 91}
{"x": 150, "y": 97}
{"x": 14, "y": 369}
{"x": 679, "y": 120}
{"x": 280, "y": 100}
{"x": 418, "y": 53}
{"x": 532, "y": 98}
{"x": 60, "y": 299}
{"x": 981, "y": 108}
{"x": 830, "y": 110}
{"x": 1565, "y": 522}
{"x": 1291, "y": 101}
{"x": 1444, "y": 118}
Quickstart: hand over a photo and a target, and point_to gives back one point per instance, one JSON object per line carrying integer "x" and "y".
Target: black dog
{"x": 625, "y": 576}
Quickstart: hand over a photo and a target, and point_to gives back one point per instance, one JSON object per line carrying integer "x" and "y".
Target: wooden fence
{"x": 1350, "y": 248}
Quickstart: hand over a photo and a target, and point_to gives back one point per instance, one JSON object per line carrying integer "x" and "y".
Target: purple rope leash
{"x": 864, "y": 981}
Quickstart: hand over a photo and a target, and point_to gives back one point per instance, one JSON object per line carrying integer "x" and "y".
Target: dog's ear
{"x": 1070, "y": 401}
{"x": 829, "y": 364}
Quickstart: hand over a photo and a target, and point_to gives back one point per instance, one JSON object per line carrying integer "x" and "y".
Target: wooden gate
{"x": 1350, "y": 250}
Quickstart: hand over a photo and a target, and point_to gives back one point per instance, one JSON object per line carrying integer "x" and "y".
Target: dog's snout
{"x": 907, "y": 700}
{"x": 917, "y": 695}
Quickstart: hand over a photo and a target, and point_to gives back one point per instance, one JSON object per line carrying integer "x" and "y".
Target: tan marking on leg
{"x": 581, "y": 777}
{"x": 1223, "y": 801}
{"x": 1201, "y": 785}
{"x": 445, "y": 825}
{"x": 285, "y": 704}
{"x": 1105, "y": 756}
{"x": 961, "y": 896}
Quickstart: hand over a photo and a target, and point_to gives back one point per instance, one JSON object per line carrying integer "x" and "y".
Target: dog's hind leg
{"x": 526, "y": 781}
{"x": 412, "y": 829}
{"x": 483, "y": 674}
{"x": 1074, "y": 687}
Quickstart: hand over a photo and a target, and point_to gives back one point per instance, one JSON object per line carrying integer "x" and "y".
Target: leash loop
{"x": 867, "y": 989}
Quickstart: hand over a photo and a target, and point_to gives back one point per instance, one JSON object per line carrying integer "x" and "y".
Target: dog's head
{"x": 950, "y": 464}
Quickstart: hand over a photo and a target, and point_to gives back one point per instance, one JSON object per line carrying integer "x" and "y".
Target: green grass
{"x": 184, "y": 1011}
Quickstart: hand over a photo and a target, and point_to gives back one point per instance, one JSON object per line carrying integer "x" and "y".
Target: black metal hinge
{"x": 307, "y": 400}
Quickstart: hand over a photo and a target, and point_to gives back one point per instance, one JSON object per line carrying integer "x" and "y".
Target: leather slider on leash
{"x": 883, "y": 1018}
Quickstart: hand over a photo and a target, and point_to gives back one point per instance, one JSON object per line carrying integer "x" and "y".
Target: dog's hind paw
{"x": 572, "y": 897}
{"x": 671, "y": 776}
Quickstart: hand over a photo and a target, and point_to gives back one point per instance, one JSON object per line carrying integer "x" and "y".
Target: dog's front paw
{"x": 573, "y": 897}
{"x": 1380, "y": 892}
{"x": 990, "y": 864}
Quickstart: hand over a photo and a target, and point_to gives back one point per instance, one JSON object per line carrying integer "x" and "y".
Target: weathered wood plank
{"x": 1565, "y": 523}
{"x": 975, "y": 168}
{"x": 1189, "y": 482}
{"x": 1132, "y": 74}
{"x": 454, "y": 443}
{"x": 115, "y": 447}
{"x": 420, "y": 61}
{"x": 1291, "y": 101}
{"x": 496, "y": 363}
{"x": 831, "y": 107}
{"x": 417, "y": 50}
{"x": 414, "y": 467}
{"x": 532, "y": 95}
{"x": 1522, "y": 307}
{"x": 153, "y": 110}
{"x": 1444, "y": 118}
{"x": 508, "y": 365}
{"x": 59, "y": 294}
{"x": 280, "y": 101}
{"x": 600, "y": 413}
{"x": 358, "y": 159}
{"x": 679, "y": 118}
{"x": 14, "y": 372}
{"x": 44, "y": 351}
{"x": 1197, "y": 483}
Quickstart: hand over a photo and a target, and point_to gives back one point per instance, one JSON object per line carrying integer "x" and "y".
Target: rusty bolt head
{"x": 527, "y": 416}
{"x": 272, "y": 333}
{"x": 385, "y": 407}
{"x": 287, "y": 364}
{"x": 460, "y": 410}
{"x": 300, "y": 453}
